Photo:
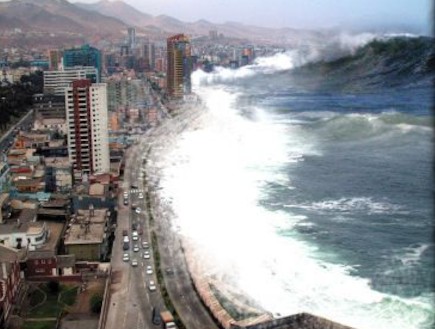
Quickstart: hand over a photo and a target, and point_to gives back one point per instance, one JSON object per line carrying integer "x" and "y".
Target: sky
{"x": 295, "y": 13}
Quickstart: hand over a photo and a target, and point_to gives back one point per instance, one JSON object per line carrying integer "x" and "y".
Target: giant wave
{"x": 218, "y": 174}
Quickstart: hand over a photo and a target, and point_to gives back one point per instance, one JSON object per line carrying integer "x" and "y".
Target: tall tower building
{"x": 83, "y": 56}
{"x": 87, "y": 122}
{"x": 54, "y": 56}
{"x": 149, "y": 54}
{"x": 131, "y": 37}
{"x": 179, "y": 66}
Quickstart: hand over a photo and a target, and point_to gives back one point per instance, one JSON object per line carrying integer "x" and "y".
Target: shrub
{"x": 96, "y": 303}
{"x": 53, "y": 287}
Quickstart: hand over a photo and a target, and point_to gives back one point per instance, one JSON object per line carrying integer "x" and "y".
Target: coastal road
{"x": 131, "y": 301}
{"x": 186, "y": 301}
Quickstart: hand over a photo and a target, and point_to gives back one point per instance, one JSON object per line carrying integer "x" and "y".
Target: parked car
{"x": 146, "y": 255}
{"x": 149, "y": 270}
{"x": 134, "y": 262}
{"x": 126, "y": 257}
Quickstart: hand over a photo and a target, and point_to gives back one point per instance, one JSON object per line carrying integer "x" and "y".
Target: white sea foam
{"x": 213, "y": 178}
{"x": 411, "y": 255}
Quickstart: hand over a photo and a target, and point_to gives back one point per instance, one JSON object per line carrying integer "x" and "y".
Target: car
{"x": 134, "y": 236}
{"x": 124, "y": 232}
{"x": 135, "y": 248}
{"x": 146, "y": 255}
{"x": 125, "y": 202}
{"x": 134, "y": 206}
{"x": 145, "y": 245}
{"x": 138, "y": 210}
{"x": 151, "y": 285}
{"x": 155, "y": 316}
{"x": 133, "y": 226}
{"x": 169, "y": 271}
{"x": 134, "y": 186}
{"x": 125, "y": 194}
{"x": 134, "y": 262}
{"x": 149, "y": 270}
{"x": 126, "y": 257}
{"x": 140, "y": 196}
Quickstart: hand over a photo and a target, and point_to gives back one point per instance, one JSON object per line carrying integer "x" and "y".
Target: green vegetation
{"x": 53, "y": 287}
{"x": 16, "y": 99}
{"x": 43, "y": 324}
{"x": 55, "y": 301}
{"x": 68, "y": 297}
{"x": 36, "y": 297}
{"x": 96, "y": 303}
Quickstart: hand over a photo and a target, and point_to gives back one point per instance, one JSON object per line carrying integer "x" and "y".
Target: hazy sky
{"x": 293, "y": 13}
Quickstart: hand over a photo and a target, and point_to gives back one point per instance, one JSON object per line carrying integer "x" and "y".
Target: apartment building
{"x": 87, "y": 127}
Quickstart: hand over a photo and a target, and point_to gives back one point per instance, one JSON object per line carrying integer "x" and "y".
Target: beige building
{"x": 87, "y": 235}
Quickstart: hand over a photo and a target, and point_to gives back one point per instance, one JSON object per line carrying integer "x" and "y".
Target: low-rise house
{"x": 23, "y": 231}
{"x": 42, "y": 259}
{"x": 58, "y": 176}
{"x": 87, "y": 236}
{"x": 10, "y": 281}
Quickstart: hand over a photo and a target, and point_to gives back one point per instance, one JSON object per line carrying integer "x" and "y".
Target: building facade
{"x": 83, "y": 56}
{"x": 87, "y": 135}
{"x": 10, "y": 282}
{"x": 55, "y": 82}
{"x": 179, "y": 66}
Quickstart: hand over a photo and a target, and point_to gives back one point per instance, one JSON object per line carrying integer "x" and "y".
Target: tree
{"x": 96, "y": 303}
{"x": 53, "y": 287}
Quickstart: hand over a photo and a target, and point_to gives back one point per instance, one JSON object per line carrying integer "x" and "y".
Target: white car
{"x": 126, "y": 257}
{"x": 152, "y": 285}
{"x": 146, "y": 255}
{"x": 134, "y": 236}
{"x": 149, "y": 269}
{"x": 138, "y": 210}
{"x": 140, "y": 195}
{"x": 134, "y": 262}
{"x": 145, "y": 245}
{"x": 135, "y": 248}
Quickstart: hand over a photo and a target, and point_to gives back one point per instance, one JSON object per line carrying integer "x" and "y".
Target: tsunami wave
{"x": 216, "y": 173}
{"x": 214, "y": 179}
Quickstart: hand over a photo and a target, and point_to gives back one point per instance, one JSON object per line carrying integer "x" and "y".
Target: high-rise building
{"x": 179, "y": 66}
{"x": 131, "y": 37}
{"x": 149, "y": 54}
{"x": 83, "y": 56}
{"x": 55, "y": 59}
{"x": 55, "y": 82}
{"x": 86, "y": 115}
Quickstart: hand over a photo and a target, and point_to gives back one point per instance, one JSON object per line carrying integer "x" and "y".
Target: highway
{"x": 131, "y": 303}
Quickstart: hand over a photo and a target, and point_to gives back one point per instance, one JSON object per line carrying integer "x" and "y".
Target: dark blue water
{"x": 335, "y": 216}
{"x": 366, "y": 195}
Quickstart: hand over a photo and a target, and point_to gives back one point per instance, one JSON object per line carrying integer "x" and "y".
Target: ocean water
{"x": 313, "y": 194}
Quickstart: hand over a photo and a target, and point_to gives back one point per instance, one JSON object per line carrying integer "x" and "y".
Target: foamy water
{"x": 215, "y": 177}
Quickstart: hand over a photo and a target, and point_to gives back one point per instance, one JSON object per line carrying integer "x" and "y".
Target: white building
{"x": 87, "y": 127}
{"x": 55, "y": 82}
